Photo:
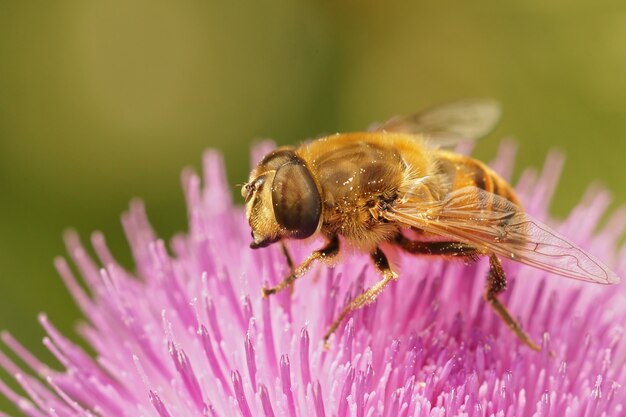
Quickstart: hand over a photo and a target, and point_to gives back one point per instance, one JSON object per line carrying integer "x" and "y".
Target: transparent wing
{"x": 448, "y": 124}
{"x": 494, "y": 224}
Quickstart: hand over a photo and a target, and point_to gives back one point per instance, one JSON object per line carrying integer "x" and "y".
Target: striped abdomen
{"x": 463, "y": 171}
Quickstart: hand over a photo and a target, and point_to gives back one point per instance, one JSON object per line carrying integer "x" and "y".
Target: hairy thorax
{"x": 358, "y": 175}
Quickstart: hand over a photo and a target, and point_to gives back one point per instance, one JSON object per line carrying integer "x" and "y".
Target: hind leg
{"x": 496, "y": 283}
{"x": 496, "y": 280}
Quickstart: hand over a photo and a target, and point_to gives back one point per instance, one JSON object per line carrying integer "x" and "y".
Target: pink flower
{"x": 188, "y": 334}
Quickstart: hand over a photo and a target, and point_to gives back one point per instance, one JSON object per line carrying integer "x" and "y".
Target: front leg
{"x": 290, "y": 264}
{"x": 369, "y": 296}
{"x": 287, "y": 255}
{"x": 326, "y": 253}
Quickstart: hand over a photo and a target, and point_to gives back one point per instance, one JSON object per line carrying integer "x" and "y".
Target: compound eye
{"x": 296, "y": 200}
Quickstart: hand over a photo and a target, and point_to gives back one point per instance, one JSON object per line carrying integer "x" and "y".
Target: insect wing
{"x": 448, "y": 124}
{"x": 492, "y": 223}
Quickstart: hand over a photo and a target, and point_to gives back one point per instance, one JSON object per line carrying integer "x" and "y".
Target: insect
{"x": 371, "y": 187}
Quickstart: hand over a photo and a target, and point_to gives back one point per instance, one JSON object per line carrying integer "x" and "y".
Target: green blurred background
{"x": 102, "y": 101}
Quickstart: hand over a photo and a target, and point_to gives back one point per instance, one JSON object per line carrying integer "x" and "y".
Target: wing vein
{"x": 495, "y": 225}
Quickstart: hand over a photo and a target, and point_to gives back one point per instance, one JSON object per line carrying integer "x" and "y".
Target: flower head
{"x": 188, "y": 333}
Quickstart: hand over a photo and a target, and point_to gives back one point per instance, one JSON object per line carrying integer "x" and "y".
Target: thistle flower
{"x": 188, "y": 334}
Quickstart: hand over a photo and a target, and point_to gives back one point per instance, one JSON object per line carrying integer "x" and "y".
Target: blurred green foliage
{"x": 104, "y": 101}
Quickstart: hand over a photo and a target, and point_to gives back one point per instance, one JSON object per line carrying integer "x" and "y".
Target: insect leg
{"x": 288, "y": 257}
{"x": 369, "y": 296}
{"x": 437, "y": 248}
{"x": 496, "y": 283}
{"x": 327, "y": 252}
